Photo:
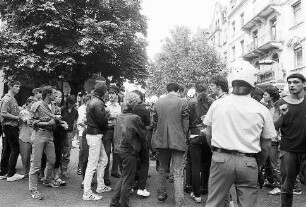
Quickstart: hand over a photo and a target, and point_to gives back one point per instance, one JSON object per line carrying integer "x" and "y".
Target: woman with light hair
{"x": 129, "y": 139}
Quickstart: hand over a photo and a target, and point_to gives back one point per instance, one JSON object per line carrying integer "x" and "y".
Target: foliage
{"x": 45, "y": 40}
{"x": 186, "y": 59}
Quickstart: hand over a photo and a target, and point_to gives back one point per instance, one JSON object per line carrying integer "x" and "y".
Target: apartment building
{"x": 265, "y": 39}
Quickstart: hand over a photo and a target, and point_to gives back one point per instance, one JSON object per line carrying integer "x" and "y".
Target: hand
{"x": 284, "y": 109}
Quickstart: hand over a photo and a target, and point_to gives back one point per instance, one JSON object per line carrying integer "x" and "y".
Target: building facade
{"x": 264, "y": 39}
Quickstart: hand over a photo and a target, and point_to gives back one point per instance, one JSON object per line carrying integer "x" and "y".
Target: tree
{"x": 72, "y": 39}
{"x": 185, "y": 58}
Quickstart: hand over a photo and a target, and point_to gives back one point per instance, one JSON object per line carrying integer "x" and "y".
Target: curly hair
{"x": 130, "y": 100}
{"x": 220, "y": 81}
{"x": 273, "y": 92}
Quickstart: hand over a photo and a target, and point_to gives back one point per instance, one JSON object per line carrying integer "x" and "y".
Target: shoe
{"x": 203, "y": 191}
{"x": 36, "y": 195}
{"x": 60, "y": 182}
{"x": 2, "y": 177}
{"x": 196, "y": 199}
{"x": 231, "y": 204}
{"x": 116, "y": 175}
{"x": 107, "y": 182}
{"x": 162, "y": 197}
{"x": 91, "y": 197}
{"x": 103, "y": 189}
{"x": 275, "y": 191}
{"x": 14, "y": 177}
{"x": 143, "y": 193}
{"x": 51, "y": 184}
{"x": 187, "y": 188}
{"x": 79, "y": 171}
{"x": 297, "y": 191}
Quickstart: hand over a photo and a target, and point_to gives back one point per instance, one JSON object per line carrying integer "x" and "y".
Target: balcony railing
{"x": 262, "y": 40}
{"x": 259, "y": 11}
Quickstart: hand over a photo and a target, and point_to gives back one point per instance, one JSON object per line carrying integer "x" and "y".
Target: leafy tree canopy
{"x": 47, "y": 39}
{"x": 185, "y": 58}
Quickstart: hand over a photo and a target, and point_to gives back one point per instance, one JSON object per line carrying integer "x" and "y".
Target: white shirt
{"x": 238, "y": 122}
{"x": 114, "y": 108}
{"x": 81, "y": 118}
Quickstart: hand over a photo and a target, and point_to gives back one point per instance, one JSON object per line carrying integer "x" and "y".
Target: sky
{"x": 164, "y": 15}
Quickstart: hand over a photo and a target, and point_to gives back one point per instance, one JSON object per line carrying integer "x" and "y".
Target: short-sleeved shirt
{"x": 43, "y": 112}
{"x": 10, "y": 105}
{"x": 238, "y": 122}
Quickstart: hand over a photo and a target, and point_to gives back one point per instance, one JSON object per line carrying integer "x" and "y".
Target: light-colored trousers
{"x": 97, "y": 160}
{"x": 228, "y": 169}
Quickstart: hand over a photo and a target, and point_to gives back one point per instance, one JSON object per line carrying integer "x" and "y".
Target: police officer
{"x": 238, "y": 128}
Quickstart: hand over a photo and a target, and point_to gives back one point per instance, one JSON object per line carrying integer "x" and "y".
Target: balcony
{"x": 263, "y": 45}
{"x": 259, "y": 12}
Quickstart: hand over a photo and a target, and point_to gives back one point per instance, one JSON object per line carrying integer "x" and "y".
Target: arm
{"x": 185, "y": 117}
{"x": 5, "y": 111}
{"x": 208, "y": 135}
{"x": 265, "y": 145}
{"x": 101, "y": 117}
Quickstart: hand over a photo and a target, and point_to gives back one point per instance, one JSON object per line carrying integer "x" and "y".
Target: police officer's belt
{"x": 233, "y": 152}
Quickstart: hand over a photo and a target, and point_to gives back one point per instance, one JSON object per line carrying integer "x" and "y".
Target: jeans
{"x": 5, "y": 155}
{"x": 85, "y": 153}
{"x": 275, "y": 162}
{"x": 67, "y": 146}
{"x": 200, "y": 164}
{"x": 290, "y": 168}
{"x": 25, "y": 152}
{"x": 164, "y": 157}
{"x": 143, "y": 168}
{"x": 43, "y": 143}
{"x": 116, "y": 166}
{"x": 226, "y": 170}
{"x": 107, "y": 141}
{"x": 123, "y": 188}
{"x": 97, "y": 160}
{"x": 12, "y": 136}
{"x": 188, "y": 168}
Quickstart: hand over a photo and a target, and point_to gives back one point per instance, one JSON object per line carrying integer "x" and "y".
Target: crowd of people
{"x": 205, "y": 143}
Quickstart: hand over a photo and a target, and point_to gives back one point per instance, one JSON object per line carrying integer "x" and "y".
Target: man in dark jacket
{"x": 199, "y": 150}
{"x": 171, "y": 121}
{"x": 97, "y": 120}
{"x": 130, "y": 133}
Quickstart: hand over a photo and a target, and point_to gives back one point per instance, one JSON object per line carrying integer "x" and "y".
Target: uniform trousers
{"x": 228, "y": 169}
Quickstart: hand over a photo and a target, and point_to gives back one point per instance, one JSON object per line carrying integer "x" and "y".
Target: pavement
{"x": 16, "y": 194}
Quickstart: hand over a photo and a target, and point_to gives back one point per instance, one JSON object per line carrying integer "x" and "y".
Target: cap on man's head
{"x": 297, "y": 75}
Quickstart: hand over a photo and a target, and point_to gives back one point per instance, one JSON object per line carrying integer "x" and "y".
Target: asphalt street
{"x": 16, "y": 194}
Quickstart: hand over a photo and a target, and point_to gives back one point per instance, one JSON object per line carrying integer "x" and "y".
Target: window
{"x": 233, "y": 28}
{"x": 255, "y": 39}
{"x": 297, "y": 12}
{"x": 242, "y": 47}
{"x": 233, "y": 53}
{"x": 273, "y": 28}
{"x": 298, "y": 57}
{"x": 242, "y": 19}
{"x": 225, "y": 57}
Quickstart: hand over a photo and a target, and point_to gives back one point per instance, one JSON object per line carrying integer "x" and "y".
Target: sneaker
{"x": 297, "y": 191}
{"x": 91, "y": 197}
{"x": 60, "y": 182}
{"x": 52, "y": 184}
{"x": 188, "y": 188}
{"x": 196, "y": 199}
{"x": 143, "y": 193}
{"x": 36, "y": 195}
{"x": 275, "y": 191}
{"x": 103, "y": 189}
{"x": 14, "y": 177}
{"x": 79, "y": 171}
{"x": 2, "y": 177}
